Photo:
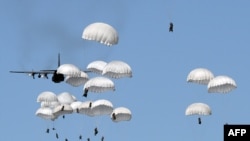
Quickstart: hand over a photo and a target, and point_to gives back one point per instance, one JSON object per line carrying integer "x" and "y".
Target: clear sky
{"x": 210, "y": 33}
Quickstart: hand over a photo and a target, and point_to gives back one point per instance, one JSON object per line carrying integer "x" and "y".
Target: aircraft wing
{"x": 48, "y": 71}
{"x": 33, "y": 73}
{"x": 86, "y": 71}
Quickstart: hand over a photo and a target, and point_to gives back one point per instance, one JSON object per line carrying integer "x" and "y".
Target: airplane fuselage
{"x": 57, "y": 78}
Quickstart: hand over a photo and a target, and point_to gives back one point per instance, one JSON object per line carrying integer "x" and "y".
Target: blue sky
{"x": 210, "y": 34}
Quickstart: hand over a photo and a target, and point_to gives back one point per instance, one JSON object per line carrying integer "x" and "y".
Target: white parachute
{"x": 85, "y": 108}
{"x": 75, "y": 106}
{"x": 101, "y": 107}
{"x": 121, "y": 114}
{"x": 47, "y": 96}
{"x": 199, "y": 109}
{"x": 65, "y": 98}
{"x": 99, "y": 84}
{"x": 96, "y": 66}
{"x": 101, "y": 32}
{"x": 51, "y": 104}
{"x": 77, "y": 80}
{"x": 69, "y": 70}
{"x": 62, "y": 110}
{"x": 117, "y": 69}
{"x": 221, "y": 84}
{"x": 45, "y": 113}
{"x": 200, "y": 76}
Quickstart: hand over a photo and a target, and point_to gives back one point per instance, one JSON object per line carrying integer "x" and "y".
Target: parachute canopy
{"x": 96, "y": 66}
{"x": 75, "y": 105}
{"x": 47, "y": 96}
{"x": 221, "y": 84}
{"x": 101, "y": 107}
{"x": 77, "y": 80}
{"x": 62, "y": 110}
{"x": 85, "y": 108}
{"x": 69, "y": 70}
{"x": 198, "y": 109}
{"x": 65, "y": 98}
{"x": 200, "y": 76}
{"x": 51, "y": 104}
{"x": 121, "y": 114}
{"x": 101, "y": 32}
{"x": 99, "y": 84}
{"x": 45, "y": 113}
{"x": 117, "y": 69}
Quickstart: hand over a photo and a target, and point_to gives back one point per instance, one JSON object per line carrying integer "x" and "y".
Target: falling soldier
{"x": 90, "y": 104}
{"x": 171, "y": 27}
{"x": 199, "y": 120}
{"x": 85, "y": 94}
{"x": 113, "y": 116}
{"x": 96, "y": 131}
{"x": 80, "y": 137}
{"x": 102, "y": 139}
{"x": 62, "y": 108}
{"x": 47, "y": 131}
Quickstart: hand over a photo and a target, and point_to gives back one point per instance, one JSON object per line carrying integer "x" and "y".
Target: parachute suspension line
{"x": 124, "y": 136}
{"x": 98, "y": 124}
{"x": 48, "y": 126}
{"x": 47, "y": 129}
{"x": 53, "y": 129}
{"x": 97, "y": 121}
{"x": 43, "y": 130}
{"x": 84, "y": 127}
{"x": 170, "y": 7}
{"x": 225, "y": 104}
{"x": 42, "y": 134}
{"x": 197, "y": 133}
{"x": 201, "y": 131}
{"x": 102, "y": 135}
{"x": 53, "y": 126}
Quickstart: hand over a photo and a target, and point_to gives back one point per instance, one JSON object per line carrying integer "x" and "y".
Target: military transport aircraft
{"x": 57, "y": 78}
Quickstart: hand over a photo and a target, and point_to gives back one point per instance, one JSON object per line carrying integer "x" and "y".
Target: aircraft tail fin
{"x": 59, "y": 61}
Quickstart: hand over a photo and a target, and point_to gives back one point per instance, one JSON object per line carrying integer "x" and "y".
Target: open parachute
{"x": 101, "y": 32}
{"x": 97, "y": 66}
{"x": 121, "y": 114}
{"x": 45, "y": 113}
{"x": 198, "y": 109}
{"x": 99, "y": 85}
{"x": 77, "y": 80}
{"x": 200, "y": 76}
{"x": 101, "y": 107}
{"x": 47, "y": 96}
{"x": 221, "y": 84}
{"x": 69, "y": 70}
{"x": 117, "y": 69}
